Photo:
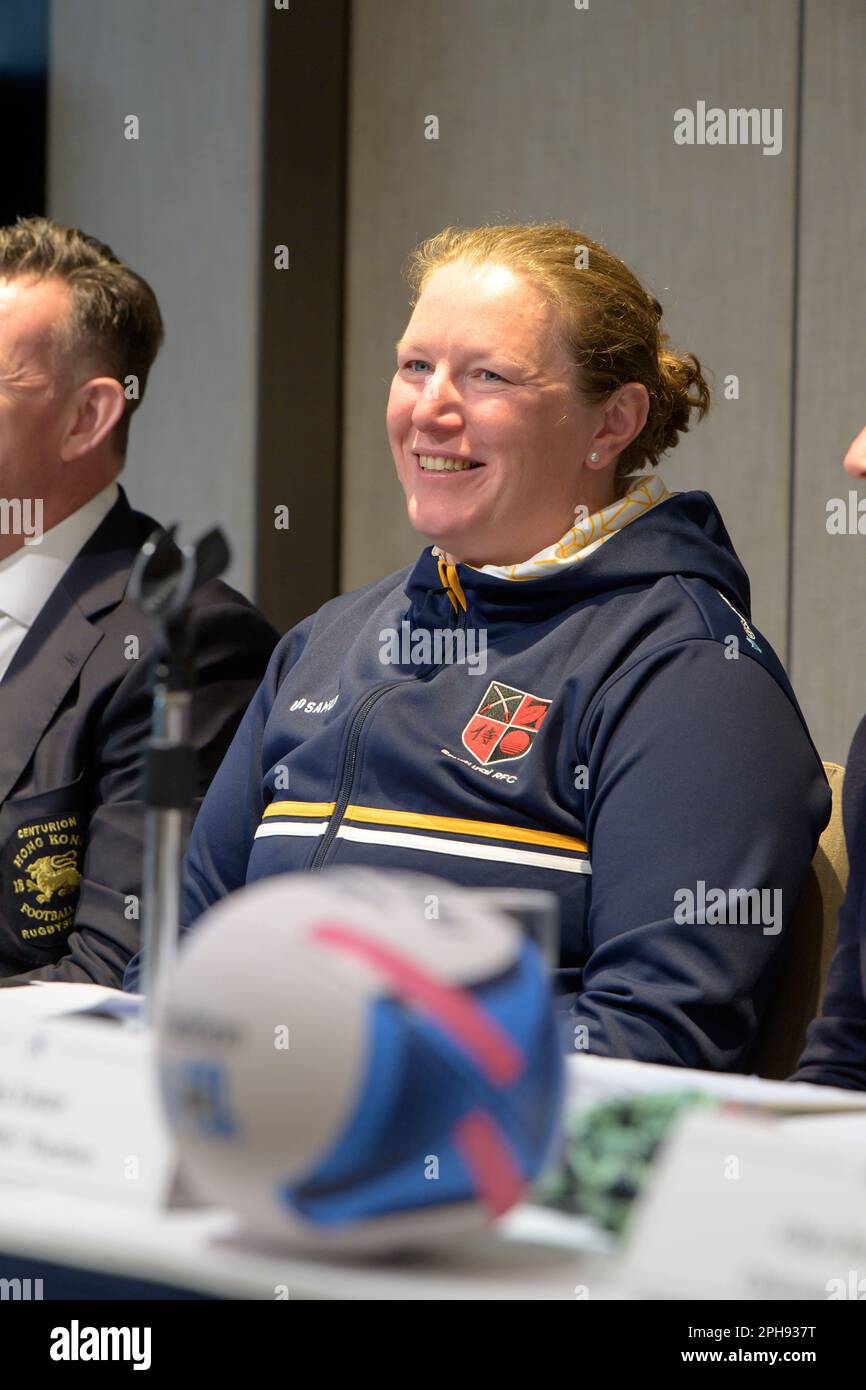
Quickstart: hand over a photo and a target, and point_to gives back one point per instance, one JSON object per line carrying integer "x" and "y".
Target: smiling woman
{"x": 626, "y": 744}
{"x": 535, "y": 353}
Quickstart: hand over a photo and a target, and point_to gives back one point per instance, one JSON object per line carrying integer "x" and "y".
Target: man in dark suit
{"x": 78, "y": 334}
{"x": 835, "y": 1051}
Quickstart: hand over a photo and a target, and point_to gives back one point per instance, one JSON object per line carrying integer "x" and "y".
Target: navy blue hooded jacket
{"x": 835, "y": 1052}
{"x": 620, "y": 748}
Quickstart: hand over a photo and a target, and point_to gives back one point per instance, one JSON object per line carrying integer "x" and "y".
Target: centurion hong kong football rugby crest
{"x": 504, "y": 725}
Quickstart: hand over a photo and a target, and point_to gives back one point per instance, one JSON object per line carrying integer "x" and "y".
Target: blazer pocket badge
{"x": 43, "y": 858}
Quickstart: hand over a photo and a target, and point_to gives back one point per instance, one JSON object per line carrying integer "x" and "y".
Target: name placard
{"x": 80, "y": 1112}
{"x": 741, "y": 1208}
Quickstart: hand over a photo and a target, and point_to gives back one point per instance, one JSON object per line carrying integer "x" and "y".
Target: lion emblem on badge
{"x": 54, "y": 873}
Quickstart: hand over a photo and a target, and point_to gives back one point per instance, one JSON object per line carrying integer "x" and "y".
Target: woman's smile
{"x": 446, "y": 465}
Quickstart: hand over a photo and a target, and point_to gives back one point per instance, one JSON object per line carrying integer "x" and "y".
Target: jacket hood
{"x": 683, "y": 535}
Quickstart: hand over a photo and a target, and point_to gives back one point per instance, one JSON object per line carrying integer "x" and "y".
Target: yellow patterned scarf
{"x": 587, "y": 535}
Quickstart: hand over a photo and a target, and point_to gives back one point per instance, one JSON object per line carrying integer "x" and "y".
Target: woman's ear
{"x": 624, "y": 417}
{"x": 94, "y": 409}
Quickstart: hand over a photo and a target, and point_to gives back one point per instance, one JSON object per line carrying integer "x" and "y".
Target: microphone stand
{"x": 161, "y": 584}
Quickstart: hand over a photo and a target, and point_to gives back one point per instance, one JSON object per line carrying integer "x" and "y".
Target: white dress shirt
{"x": 29, "y": 576}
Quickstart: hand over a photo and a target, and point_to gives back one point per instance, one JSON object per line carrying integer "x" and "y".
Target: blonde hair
{"x": 610, "y": 322}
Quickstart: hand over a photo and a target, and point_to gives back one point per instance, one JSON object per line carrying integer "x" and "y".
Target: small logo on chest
{"x": 504, "y": 725}
{"x": 313, "y": 706}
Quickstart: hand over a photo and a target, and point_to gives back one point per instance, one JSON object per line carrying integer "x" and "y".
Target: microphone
{"x": 163, "y": 579}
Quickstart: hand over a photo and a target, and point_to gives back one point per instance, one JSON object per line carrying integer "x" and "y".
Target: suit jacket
{"x": 75, "y": 710}
{"x": 835, "y": 1052}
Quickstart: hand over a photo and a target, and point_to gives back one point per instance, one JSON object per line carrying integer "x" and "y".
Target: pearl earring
{"x": 593, "y": 458}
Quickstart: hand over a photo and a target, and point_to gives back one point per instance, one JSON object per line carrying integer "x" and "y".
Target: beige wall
{"x": 544, "y": 111}
{"x": 548, "y": 111}
{"x": 828, "y": 607}
{"x": 182, "y": 206}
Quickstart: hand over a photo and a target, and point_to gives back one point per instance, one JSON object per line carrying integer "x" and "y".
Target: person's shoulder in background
{"x": 835, "y": 1051}
{"x": 231, "y": 644}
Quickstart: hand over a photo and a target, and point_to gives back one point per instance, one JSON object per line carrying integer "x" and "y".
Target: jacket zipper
{"x": 348, "y": 774}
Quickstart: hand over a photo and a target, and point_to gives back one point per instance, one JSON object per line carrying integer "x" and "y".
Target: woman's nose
{"x": 855, "y": 459}
{"x": 438, "y": 406}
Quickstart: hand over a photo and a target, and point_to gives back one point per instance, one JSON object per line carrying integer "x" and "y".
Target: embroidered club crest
{"x": 504, "y": 724}
{"x": 40, "y": 873}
